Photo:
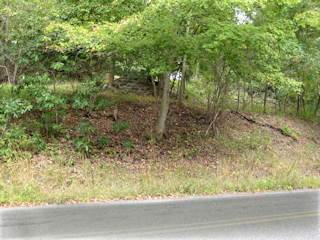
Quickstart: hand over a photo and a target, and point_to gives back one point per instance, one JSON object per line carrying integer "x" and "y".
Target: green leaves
{"x": 120, "y": 126}
{"x": 13, "y": 107}
{"x": 84, "y": 142}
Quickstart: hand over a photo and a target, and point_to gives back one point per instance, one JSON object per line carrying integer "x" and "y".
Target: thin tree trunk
{"x": 155, "y": 93}
{"x": 265, "y": 100}
{"x": 178, "y": 88}
{"x": 238, "y": 100}
{"x": 16, "y": 66}
{"x": 298, "y": 105}
{"x": 183, "y": 80}
{"x": 112, "y": 70}
{"x": 285, "y": 104}
{"x": 302, "y": 99}
{"x": 172, "y": 86}
{"x": 244, "y": 96}
{"x": 275, "y": 105}
{"x": 212, "y": 124}
{"x": 251, "y": 94}
{"x": 184, "y": 67}
{"x": 317, "y": 107}
{"x": 47, "y": 126}
{"x": 164, "y": 107}
{"x": 196, "y": 73}
{"x": 6, "y": 59}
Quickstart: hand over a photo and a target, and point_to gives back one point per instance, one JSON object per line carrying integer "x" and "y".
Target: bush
{"x": 84, "y": 143}
{"x": 16, "y": 140}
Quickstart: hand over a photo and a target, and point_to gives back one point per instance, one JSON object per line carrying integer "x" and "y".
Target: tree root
{"x": 264, "y": 125}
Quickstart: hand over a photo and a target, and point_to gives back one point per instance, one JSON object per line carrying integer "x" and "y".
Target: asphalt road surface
{"x": 282, "y": 215}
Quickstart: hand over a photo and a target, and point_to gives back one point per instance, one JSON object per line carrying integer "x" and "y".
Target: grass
{"x": 248, "y": 159}
{"x": 241, "y": 170}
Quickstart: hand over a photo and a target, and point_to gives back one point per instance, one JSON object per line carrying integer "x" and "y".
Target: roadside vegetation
{"x": 228, "y": 99}
{"x": 100, "y": 159}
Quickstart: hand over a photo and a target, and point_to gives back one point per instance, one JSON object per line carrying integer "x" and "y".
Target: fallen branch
{"x": 263, "y": 125}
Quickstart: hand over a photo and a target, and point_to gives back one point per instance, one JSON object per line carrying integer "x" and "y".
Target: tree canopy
{"x": 270, "y": 45}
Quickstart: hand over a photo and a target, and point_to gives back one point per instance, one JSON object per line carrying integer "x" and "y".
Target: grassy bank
{"x": 129, "y": 164}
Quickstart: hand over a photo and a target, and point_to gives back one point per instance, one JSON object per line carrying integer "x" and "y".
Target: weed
{"x": 71, "y": 162}
{"x": 111, "y": 151}
{"x": 120, "y": 126}
{"x": 103, "y": 140}
{"x": 16, "y": 140}
{"x": 127, "y": 144}
{"x": 84, "y": 143}
{"x": 290, "y": 132}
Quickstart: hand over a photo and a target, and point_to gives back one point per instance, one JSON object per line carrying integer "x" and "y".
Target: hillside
{"x": 128, "y": 164}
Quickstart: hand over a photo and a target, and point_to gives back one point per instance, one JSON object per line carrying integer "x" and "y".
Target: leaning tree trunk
{"x": 164, "y": 107}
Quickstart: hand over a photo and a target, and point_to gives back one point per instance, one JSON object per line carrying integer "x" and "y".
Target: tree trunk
{"x": 275, "y": 105}
{"x": 244, "y": 96}
{"x": 265, "y": 100}
{"x": 183, "y": 80}
{"x": 196, "y": 73}
{"x": 285, "y": 104}
{"x": 16, "y": 66}
{"x": 251, "y": 94}
{"x": 238, "y": 100}
{"x": 164, "y": 107}
{"x": 112, "y": 70}
{"x": 6, "y": 59}
{"x": 160, "y": 85}
{"x": 302, "y": 99}
{"x": 155, "y": 93}
{"x": 172, "y": 86}
{"x": 183, "y": 76}
{"x": 317, "y": 107}
{"x": 298, "y": 105}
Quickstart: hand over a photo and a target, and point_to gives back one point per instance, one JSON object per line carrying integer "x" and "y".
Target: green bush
{"x": 46, "y": 100}
{"x": 16, "y": 140}
{"x": 84, "y": 143}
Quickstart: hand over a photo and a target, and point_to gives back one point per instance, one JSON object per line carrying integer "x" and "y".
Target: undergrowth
{"x": 79, "y": 162}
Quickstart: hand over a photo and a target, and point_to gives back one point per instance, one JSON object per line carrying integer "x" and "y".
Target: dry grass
{"x": 242, "y": 170}
{"x": 243, "y": 157}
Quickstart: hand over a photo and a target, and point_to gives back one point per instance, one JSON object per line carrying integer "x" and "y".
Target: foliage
{"x": 17, "y": 140}
{"x": 270, "y": 47}
{"x": 102, "y": 140}
{"x": 86, "y": 95}
{"x": 127, "y": 144}
{"x": 11, "y": 109}
{"x": 46, "y": 100}
{"x": 120, "y": 126}
{"x": 290, "y": 132}
{"x": 84, "y": 142}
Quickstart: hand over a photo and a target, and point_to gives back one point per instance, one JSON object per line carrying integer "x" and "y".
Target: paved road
{"x": 283, "y": 215}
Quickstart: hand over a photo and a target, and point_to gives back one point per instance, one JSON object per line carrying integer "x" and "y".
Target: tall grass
{"x": 247, "y": 163}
